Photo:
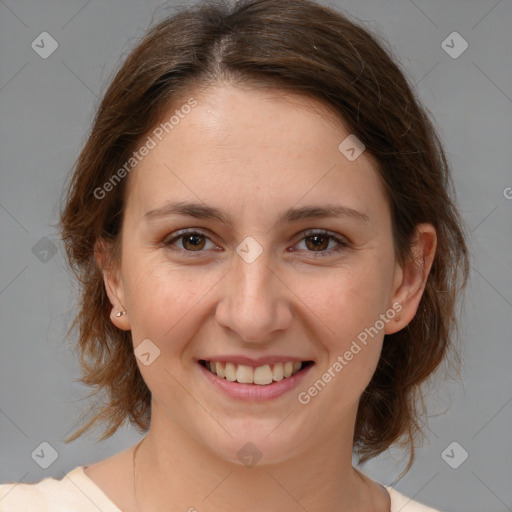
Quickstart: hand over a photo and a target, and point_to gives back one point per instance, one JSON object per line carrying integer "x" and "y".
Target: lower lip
{"x": 255, "y": 392}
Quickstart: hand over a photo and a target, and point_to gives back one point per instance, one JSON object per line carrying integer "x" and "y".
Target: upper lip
{"x": 253, "y": 361}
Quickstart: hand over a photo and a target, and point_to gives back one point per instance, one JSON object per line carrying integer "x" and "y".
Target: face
{"x": 256, "y": 275}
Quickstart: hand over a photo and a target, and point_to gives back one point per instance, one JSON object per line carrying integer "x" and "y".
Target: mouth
{"x": 263, "y": 375}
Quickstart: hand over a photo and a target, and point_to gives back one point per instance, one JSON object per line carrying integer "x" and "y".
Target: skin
{"x": 254, "y": 154}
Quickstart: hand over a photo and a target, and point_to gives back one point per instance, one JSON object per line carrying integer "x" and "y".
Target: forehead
{"x": 242, "y": 146}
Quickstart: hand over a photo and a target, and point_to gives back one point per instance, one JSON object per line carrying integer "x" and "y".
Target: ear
{"x": 113, "y": 285}
{"x": 410, "y": 279}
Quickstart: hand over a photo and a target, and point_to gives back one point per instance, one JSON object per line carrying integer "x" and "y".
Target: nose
{"x": 254, "y": 302}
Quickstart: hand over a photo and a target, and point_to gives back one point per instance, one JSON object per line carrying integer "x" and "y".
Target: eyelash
{"x": 342, "y": 244}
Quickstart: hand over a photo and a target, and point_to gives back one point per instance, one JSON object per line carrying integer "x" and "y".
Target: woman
{"x": 269, "y": 252}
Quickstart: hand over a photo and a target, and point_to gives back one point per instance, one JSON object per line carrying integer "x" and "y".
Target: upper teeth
{"x": 261, "y": 375}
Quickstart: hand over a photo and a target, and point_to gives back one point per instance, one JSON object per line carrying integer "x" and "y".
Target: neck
{"x": 320, "y": 478}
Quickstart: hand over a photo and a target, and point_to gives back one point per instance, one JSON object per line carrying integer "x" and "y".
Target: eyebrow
{"x": 203, "y": 211}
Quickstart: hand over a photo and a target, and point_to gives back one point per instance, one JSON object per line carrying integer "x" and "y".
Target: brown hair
{"x": 305, "y": 48}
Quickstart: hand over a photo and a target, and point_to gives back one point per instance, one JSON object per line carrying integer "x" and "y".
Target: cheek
{"x": 166, "y": 301}
{"x": 351, "y": 341}
{"x": 348, "y": 300}
{"x": 348, "y": 305}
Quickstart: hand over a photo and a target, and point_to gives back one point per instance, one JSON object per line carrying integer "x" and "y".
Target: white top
{"x": 76, "y": 492}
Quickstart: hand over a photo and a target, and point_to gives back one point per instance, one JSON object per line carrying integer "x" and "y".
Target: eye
{"x": 192, "y": 241}
{"x": 317, "y": 241}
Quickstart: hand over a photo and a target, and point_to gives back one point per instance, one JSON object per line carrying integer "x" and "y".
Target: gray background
{"x": 46, "y": 109}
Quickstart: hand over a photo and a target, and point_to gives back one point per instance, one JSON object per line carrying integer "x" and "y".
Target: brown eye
{"x": 193, "y": 242}
{"x": 190, "y": 241}
{"x": 318, "y": 242}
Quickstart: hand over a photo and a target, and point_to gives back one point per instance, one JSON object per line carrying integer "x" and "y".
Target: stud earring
{"x": 119, "y": 313}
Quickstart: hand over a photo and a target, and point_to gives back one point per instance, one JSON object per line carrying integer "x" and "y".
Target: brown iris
{"x": 197, "y": 242}
{"x": 317, "y": 246}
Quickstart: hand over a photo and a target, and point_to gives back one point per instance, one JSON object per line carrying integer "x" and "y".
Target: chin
{"x": 256, "y": 446}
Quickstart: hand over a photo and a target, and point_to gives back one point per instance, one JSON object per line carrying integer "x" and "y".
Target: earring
{"x": 119, "y": 313}
{"x": 397, "y": 319}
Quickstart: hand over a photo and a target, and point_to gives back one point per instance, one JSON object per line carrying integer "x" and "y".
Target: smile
{"x": 253, "y": 380}
{"x": 260, "y": 375}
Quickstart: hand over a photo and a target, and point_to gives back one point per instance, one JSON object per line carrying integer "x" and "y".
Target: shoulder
{"x": 401, "y": 503}
{"x": 75, "y": 492}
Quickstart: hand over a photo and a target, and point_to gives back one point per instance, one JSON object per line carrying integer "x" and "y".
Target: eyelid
{"x": 325, "y": 232}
